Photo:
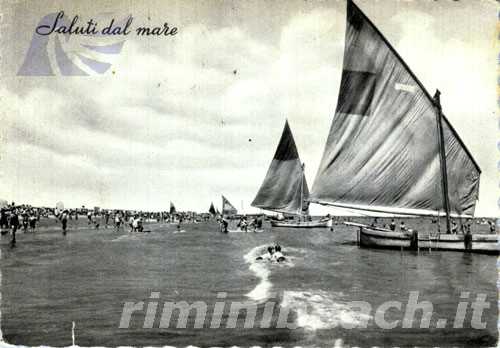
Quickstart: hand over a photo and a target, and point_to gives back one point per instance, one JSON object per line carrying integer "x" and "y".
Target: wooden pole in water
{"x": 442, "y": 156}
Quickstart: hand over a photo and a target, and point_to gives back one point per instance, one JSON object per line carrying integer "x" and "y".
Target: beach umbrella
{"x": 60, "y": 206}
{"x": 3, "y": 203}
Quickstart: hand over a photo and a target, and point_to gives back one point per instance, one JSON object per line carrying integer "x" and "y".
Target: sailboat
{"x": 211, "y": 210}
{"x": 172, "y": 208}
{"x": 285, "y": 189}
{"x": 227, "y": 208}
{"x": 391, "y": 149}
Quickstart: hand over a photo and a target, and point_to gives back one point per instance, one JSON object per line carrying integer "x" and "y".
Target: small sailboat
{"x": 285, "y": 189}
{"x": 172, "y": 208}
{"x": 227, "y": 208}
{"x": 211, "y": 210}
{"x": 390, "y": 149}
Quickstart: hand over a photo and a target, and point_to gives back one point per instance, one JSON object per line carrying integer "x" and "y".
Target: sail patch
{"x": 405, "y": 87}
{"x": 356, "y": 92}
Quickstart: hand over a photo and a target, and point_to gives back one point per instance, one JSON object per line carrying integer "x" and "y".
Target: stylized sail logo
{"x": 70, "y": 55}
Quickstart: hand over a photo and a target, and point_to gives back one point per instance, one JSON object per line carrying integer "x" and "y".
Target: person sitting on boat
{"x": 454, "y": 227}
{"x": 402, "y": 227}
{"x": 492, "y": 227}
{"x": 392, "y": 226}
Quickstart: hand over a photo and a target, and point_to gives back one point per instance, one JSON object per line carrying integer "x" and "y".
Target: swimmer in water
{"x": 277, "y": 255}
{"x": 274, "y": 254}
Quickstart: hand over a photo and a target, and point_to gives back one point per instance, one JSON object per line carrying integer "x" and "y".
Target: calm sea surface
{"x": 49, "y": 281}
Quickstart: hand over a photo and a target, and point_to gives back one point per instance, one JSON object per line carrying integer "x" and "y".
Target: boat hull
{"x": 373, "y": 238}
{"x": 305, "y": 224}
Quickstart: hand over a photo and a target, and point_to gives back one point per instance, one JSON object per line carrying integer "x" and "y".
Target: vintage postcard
{"x": 319, "y": 173}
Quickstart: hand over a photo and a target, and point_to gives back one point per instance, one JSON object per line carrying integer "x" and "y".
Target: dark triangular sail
{"x": 383, "y": 146}
{"x": 228, "y": 208}
{"x": 172, "y": 208}
{"x": 211, "y": 210}
{"x": 284, "y": 188}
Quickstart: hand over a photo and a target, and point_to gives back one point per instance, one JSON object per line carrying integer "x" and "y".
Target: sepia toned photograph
{"x": 319, "y": 173}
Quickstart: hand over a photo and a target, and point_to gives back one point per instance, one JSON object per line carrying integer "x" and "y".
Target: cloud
{"x": 200, "y": 114}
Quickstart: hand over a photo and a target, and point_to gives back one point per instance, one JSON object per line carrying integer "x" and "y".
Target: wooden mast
{"x": 442, "y": 156}
{"x": 302, "y": 190}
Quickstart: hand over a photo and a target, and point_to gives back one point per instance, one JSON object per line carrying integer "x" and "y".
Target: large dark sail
{"x": 284, "y": 188}
{"x": 383, "y": 146}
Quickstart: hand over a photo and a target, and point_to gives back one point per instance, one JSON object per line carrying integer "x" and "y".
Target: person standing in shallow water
{"x": 14, "y": 224}
{"x": 106, "y": 218}
{"x": 64, "y": 221}
{"x": 32, "y": 220}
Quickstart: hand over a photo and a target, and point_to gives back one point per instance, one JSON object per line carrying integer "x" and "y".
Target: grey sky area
{"x": 188, "y": 117}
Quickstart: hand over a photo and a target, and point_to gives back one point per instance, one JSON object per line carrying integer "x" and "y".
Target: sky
{"x": 189, "y": 117}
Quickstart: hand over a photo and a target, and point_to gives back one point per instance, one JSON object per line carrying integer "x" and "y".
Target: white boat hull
{"x": 305, "y": 224}
{"x": 375, "y": 238}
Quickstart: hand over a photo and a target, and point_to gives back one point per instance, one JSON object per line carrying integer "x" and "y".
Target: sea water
{"x": 50, "y": 281}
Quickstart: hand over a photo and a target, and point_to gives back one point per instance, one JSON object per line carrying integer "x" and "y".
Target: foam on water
{"x": 261, "y": 269}
{"x": 242, "y": 231}
{"x": 318, "y": 309}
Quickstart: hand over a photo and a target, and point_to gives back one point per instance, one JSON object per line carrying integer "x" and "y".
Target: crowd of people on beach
{"x": 15, "y": 217}
{"x": 244, "y": 223}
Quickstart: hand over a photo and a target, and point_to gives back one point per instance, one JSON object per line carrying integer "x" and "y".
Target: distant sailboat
{"x": 284, "y": 189}
{"x": 172, "y": 208}
{"x": 227, "y": 208}
{"x": 211, "y": 210}
{"x": 390, "y": 149}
